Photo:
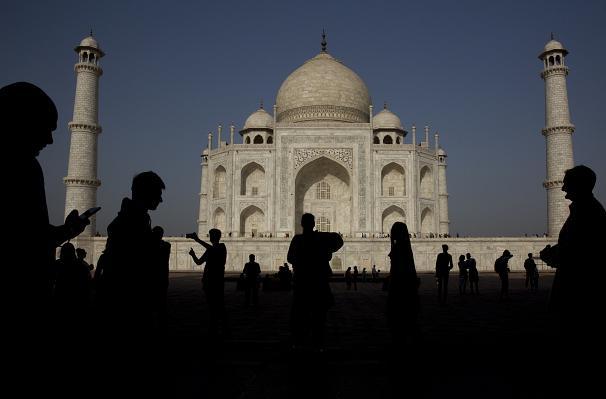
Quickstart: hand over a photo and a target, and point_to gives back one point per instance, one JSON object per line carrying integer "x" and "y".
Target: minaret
{"x": 442, "y": 190}
{"x": 558, "y": 133}
{"x": 81, "y": 182}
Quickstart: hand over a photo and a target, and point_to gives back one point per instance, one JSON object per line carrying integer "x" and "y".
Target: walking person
{"x": 463, "y": 275}
{"x": 355, "y": 278}
{"x": 373, "y": 273}
{"x": 474, "y": 276}
{"x": 443, "y": 267}
{"x": 502, "y": 269}
{"x": 364, "y": 275}
{"x": 532, "y": 273}
{"x": 251, "y": 271}
{"x": 213, "y": 283}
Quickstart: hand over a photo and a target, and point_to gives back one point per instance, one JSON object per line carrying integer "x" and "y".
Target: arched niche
{"x": 323, "y": 188}
{"x": 220, "y": 183}
{"x": 252, "y": 180}
{"x": 252, "y": 221}
{"x": 391, "y": 215}
{"x": 427, "y": 182}
{"x": 219, "y": 219}
{"x": 393, "y": 180}
{"x": 427, "y": 222}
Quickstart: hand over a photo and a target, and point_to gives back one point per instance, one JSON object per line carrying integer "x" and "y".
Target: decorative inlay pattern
{"x": 342, "y": 155}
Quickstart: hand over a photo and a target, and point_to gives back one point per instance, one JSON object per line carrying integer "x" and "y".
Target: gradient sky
{"x": 174, "y": 70}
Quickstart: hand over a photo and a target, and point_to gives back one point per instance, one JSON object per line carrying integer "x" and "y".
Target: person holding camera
{"x": 501, "y": 267}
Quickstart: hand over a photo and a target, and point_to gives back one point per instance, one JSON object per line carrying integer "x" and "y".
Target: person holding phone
{"x": 28, "y": 118}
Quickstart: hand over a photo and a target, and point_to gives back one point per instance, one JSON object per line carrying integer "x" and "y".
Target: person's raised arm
{"x": 194, "y": 236}
{"x": 74, "y": 225}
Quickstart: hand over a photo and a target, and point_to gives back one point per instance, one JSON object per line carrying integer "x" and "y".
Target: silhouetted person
{"x": 81, "y": 256}
{"x": 355, "y": 278}
{"x": 348, "y": 278}
{"x": 285, "y": 277}
{"x": 501, "y": 267}
{"x": 251, "y": 271}
{"x": 28, "y": 118}
{"x": 364, "y": 275}
{"x": 72, "y": 287}
{"x": 373, "y": 273}
{"x": 402, "y": 297}
{"x": 159, "y": 276}
{"x": 474, "y": 276}
{"x": 130, "y": 252}
{"x": 463, "y": 275}
{"x": 443, "y": 267}
{"x": 532, "y": 273}
{"x": 577, "y": 295}
{"x": 310, "y": 253}
{"x": 213, "y": 279}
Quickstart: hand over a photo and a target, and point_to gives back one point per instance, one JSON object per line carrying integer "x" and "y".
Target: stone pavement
{"x": 473, "y": 347}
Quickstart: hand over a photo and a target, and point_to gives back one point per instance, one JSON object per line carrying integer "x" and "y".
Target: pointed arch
{"x": 323, "y": 187}
{"x": 219, "y": 219}
{"x": 391, "y": 215}
{"x": 387, "y": 140}
{"x": 220, "y": 183}
{"x": 252, "y": 221}
{"x": 427, "y": 182}
{"x": 393, "y": 180}
{"x": 258, "y": 139}
{"x": 427, "y": 222}
{"x": 252, "y": 180}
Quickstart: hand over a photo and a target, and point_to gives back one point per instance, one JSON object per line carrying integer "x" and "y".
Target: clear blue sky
{"x": 174, "y": 70}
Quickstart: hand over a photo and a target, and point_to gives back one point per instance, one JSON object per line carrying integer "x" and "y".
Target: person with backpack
{"x": 502, "y": 269}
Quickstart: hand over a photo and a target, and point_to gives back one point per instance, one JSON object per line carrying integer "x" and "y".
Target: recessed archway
{"x": 219, "y": 219}
{"x": 427, "y": 223}
{"x": 219, "y": 184}
{"x": 391, "y": 215}
{"x": 393, "y": 180}
{"x": 426, "y": 182}
{"x": 323, "y": 188}
{"x": 252, "y": 221}
{"x": 252, "y": 180}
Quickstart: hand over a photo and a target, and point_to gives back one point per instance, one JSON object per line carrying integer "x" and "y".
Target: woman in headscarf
{"x": 403, "y": 296}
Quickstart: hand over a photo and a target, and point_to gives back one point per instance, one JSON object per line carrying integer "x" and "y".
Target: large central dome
{"x": 323, "y": 89}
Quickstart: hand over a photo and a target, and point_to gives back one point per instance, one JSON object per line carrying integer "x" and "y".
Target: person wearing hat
{"x": 502, "y": 269}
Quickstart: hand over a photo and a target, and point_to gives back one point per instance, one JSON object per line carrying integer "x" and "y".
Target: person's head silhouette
{"x": 507, "y": 254}
{"x": 445, "y": 248}
{"x": 251, "y": 257}
{"x": 579, "y": 182}
{"x": 461, "y": 258}
{"x": 215, "y": 235}
{"x": 158, "y": 232}
{"x": 80, "y": 253}
{"x": 468, "y": 255}
{"x": 28, "y": 116}
{"x": 530, "y": 255}
{"x": 308, "y": 222}
{"x": 147, "y": 189}
{"x": 67, "y": 253}
{"x": 399, "y": 233}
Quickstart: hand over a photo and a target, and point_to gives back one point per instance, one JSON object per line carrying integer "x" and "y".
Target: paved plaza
{"x": 472, "y": 347}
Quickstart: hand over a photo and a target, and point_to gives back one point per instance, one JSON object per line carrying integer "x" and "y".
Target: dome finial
{"x": 323, "y": 41}
{"x": 384, "y": 104}
{"x": 261, "y": 103}
{"x": 91, "y": 32}
{"x": 552, "y": 36}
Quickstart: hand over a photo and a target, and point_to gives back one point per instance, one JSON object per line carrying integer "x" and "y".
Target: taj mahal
{"x": 323, "y": 148}
{"x": 324, "y": 152}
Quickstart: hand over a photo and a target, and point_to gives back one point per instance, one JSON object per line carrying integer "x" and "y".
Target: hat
{"x": 507, "y": 253}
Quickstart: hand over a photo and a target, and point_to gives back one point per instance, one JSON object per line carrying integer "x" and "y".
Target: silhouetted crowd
{"x": 50, "y": 300}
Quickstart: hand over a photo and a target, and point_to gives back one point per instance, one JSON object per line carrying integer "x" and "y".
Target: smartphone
{"x": 90, "y": 212}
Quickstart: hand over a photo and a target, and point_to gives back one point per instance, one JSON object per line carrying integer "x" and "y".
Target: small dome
{"x": 259, "y": 119}
{"x": 551, "y": 46}
{"x": 386, "y": 120}
{"x": 89, "y": 41}
{"x": 323, "y": 89}
{"x": 441, "y": 152}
